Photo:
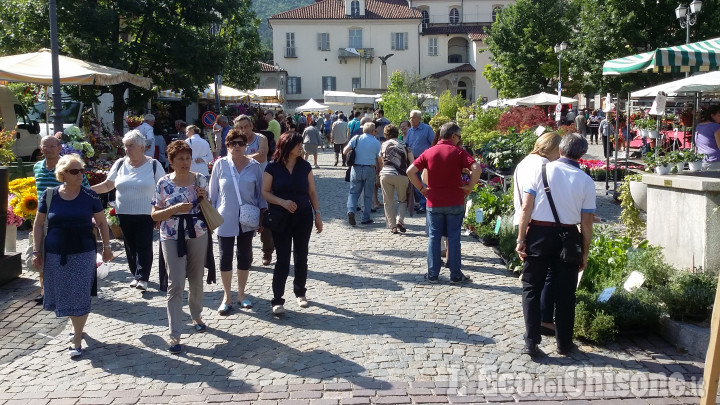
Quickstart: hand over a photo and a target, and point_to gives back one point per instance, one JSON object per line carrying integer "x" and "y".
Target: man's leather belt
{"x": 548, "y": 223}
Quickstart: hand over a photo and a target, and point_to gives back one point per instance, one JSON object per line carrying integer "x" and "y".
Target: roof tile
{"x": 335, "y": 9}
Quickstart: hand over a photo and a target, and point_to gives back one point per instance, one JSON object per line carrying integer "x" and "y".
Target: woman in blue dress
{"x": 69, "y": 246}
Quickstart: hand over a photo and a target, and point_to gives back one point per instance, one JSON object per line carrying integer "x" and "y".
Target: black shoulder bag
{"x": 572, "y": 249}
{"x": 350, "y": 158}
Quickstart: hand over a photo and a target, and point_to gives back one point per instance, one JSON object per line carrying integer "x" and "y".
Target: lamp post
{"x": 687, "y": 19}
{"x": 214, "y": 31}
{"x": 280, "y": 83}
{"x": 559, "y": 49}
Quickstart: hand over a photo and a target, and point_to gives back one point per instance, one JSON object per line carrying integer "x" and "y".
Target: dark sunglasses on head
{"x": 74, "y": 172}
{"x": 236, "y": 143}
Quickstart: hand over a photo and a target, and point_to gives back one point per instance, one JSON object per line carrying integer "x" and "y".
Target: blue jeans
{"x": 362, "y": 179}
{"x": 419, "y": 197}
{"x": 447, "y": 219}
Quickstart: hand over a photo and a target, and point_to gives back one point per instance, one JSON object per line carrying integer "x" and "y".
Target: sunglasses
{"x": 236, "y": 143}
{"x": 74, "y": 172}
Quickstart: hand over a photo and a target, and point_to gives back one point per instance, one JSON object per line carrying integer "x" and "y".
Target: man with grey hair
{"x": 146, "y": 128}
{"x": 419, "y": 138}
{"x": 220, "y": 148}
{"x": 363, "y": 172}
{"x": 445, "y": 195}
{"x": 547, "y": 225}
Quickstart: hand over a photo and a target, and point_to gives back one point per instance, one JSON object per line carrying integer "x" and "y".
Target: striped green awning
{"x": 701, "y": 56}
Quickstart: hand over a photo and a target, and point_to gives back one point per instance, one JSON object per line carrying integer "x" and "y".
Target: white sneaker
{"x": 141, "y": 285}
{"x": 302, "y": 302}
{"x": 278, "y": 309}
{"x": 133, "y": 283}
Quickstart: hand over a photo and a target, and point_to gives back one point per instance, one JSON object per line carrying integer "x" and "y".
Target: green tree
{"x": 169, "y": 41}
{"x": 521, "y": 42}
{"x": 398, "y": 100}
{"x": 448, "y": 105}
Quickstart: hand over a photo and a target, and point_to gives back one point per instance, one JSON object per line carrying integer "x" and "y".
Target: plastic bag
{"x": 103, "y": 269}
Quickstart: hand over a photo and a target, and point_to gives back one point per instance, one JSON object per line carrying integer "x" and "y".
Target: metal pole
{"x": 55, "y": 66}
{"x": 217, "y": 94}
{"x": 687, "y": 35}
{"x": 559, "y": 78}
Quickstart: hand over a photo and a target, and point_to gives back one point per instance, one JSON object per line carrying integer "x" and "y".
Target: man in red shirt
{"x": 445, "y": 195}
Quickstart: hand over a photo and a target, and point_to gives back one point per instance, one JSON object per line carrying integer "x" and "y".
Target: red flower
{"x": 112, "y": 212}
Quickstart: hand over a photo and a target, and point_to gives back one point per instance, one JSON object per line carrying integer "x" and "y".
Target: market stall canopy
{"x": 311, "y": 105}
{"x": 35, "y": 68}
{"x": 265, "y": 95}
{"x": 349, "y": 97}
{"x": 227, "y": 93}
{"x": 544, "y": 99}
{"x": 501, "y": 102}
{"x": 706, "y": 83}
{"x": 700, "y": 56}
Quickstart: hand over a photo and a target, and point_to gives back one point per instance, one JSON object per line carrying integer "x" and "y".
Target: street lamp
{"x": 559, "y": 49}
{"x": 687, "y": 19}
{"x": 215, "y": 31}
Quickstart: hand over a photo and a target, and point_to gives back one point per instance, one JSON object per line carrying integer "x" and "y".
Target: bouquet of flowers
{"x": 95, "y": 178}
{"x": 134, "y": 121}
{"x": 111, "y": 215}
{"x": 23, "y": 198}
{"x": 13, "y": 219}
{"x": 74, "y": 142}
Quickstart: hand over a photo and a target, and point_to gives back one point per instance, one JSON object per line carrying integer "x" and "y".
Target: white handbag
{"x": 249, "y": 214}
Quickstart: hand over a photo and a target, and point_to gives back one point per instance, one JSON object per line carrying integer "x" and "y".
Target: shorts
{"x": 310, "y": 149}
{"x": 243, "y": 253}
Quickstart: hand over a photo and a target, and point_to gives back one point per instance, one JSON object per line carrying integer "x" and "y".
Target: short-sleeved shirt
{"x": 339, "y": 132}
{"x": 572, "y": 189}
{"x": 70, "y": 222}
{"x": 526, "y": 172}
{"x": 135, "y": 186}
{"x": 444, "y": 163}
{"x": 353, "y": 126}
{"x": 420, "y": 138}
{"x": 45, "y": 178}
{"x": 149, "y": 134}
{"x": 223, "y": 196}
{"x": 367, "y": 148}
{"x": 706, "y": 144}
{"x": 167, "y": 194}
{"x": 291, "y": 186}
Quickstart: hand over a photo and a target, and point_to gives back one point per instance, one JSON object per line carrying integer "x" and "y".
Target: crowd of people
{"x": 262, "y": 183}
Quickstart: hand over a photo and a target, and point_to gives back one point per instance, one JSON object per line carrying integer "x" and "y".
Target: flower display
{"x": 74, "y": 142}
{"x": 597, "y": 169}
{"x": 95, "y": 178}
{"x": 111, "y": 215}
{"x": 134, "y": 121}
{"x": 23, "y": 198}
{"x": 12, "y": 219}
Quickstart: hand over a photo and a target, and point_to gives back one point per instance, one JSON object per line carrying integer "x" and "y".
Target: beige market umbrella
{"x": 35, "y": 68}
{"x": 227, "y": 93}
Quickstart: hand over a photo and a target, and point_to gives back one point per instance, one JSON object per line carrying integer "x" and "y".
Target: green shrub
{"x": 649, "y": 261}
{"x": 478, "y": 125}
{"x": 606, "y": 259}
{"x": 689, "y": 296}
{"x": 591, "y": 323}
{"x": 508, "y": 239}
{"x": 633, "y": 311}
{"x": 437, "y": 121}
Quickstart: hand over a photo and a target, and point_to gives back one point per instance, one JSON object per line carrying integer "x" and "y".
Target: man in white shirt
{"x": 146, "y": 128}
{"x": 201, "y": 153}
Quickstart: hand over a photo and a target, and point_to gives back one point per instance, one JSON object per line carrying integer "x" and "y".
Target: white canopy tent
{"x": 227, "y": 93}
{"x": 706, "y": 83}
{"x": 312, "y": 105}
{"x": 501, "y": 102}
{"x": 35, "y": 68}
{"x": 544, "y": 99}
{"x": 349, "y": 97}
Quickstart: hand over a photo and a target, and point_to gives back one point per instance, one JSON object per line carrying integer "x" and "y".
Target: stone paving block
{"x": 188, "y": 398}
{"x": 274, "y": 395}
{"x": 294, "y": 402}
{"x": 275, "y": 388}
{"x": 355, "y": 401}
{"x": 250, "y": 396}
{"x": 126, "y": 400}
{"x": 63, "y": 401}
{"x": 305, "y": 387}
{"x": 155, "y": 400}
{"x": 28, "y": 401}
{"x": 466, "y": 399}
{"x": 324, "y": 401}
{"x": 391, "y": 400}
{"x": 426, "y": 399}
{"x": 337, "y": 386}
{"x": 363, "y": 393}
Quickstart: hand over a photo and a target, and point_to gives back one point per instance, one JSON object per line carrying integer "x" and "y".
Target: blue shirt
{"x": 223, "y": 134}
{"x": 420, "y": 138}
{"x": 367, "y": 148}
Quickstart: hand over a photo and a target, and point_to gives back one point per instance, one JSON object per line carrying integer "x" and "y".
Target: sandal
{"x": 401, "y": 228}
{"x": 394, "y": 230}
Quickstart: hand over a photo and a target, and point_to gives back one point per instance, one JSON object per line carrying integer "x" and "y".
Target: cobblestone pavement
{"x": 374, "y": 333}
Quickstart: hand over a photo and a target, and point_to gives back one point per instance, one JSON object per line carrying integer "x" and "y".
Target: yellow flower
{"x": 29, "y": 205}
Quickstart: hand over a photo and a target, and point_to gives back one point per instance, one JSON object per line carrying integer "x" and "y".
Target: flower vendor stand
{"x": 10, "y": 263}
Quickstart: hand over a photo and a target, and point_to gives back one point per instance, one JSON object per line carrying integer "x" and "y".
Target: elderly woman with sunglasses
{"x": 183, "y": 237}
{"x": 289, "y": 185}
{"x": 69, "y": 246}
{"x": 134, "y": 178}
{"x": 236, "y": 182}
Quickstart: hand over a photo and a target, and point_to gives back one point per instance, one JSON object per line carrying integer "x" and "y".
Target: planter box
{"x": 691, "y": 338}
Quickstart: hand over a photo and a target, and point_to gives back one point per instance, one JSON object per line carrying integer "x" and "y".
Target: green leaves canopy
{"x": 169, "y": 41}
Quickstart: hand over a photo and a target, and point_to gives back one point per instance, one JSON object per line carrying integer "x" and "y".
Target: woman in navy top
{"x": 69, "y": 246}
{"x": 288, "y": 184}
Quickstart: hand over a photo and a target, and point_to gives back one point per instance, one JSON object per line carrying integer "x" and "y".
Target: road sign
{"x": 559, "y": 86}
{"x": 558, "y": 107}
{"x": 208, "y": 119}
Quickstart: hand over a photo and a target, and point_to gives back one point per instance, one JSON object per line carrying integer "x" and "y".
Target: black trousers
{"x": 594, "y": 132}
{"x": 543, "y": 249}
{"x": 138, "y": 240}
{"x": 295, "y": 239}
{"x": 607, "y": 147}
{"x": 339, "y": 151}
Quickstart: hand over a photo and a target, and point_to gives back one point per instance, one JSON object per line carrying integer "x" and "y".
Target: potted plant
{"x": 651, "y": 127}
{"x": 657, "y": 163}
{"x": 694, "y": 159}
{"x": 640, "y": 126}
{"x": 677, "y": 161}
{"x": 113, "y": 221}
